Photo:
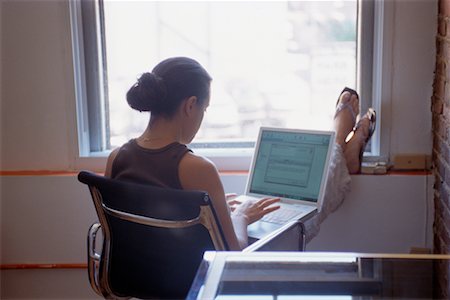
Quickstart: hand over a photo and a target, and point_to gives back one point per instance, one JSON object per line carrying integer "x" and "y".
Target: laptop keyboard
{"x": 281, "y": 216}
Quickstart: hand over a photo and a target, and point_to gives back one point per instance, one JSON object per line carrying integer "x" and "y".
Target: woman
{"x": 177, "y": 93}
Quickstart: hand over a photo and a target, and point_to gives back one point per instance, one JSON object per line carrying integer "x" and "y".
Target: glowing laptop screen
{"x": 290, "y": 164}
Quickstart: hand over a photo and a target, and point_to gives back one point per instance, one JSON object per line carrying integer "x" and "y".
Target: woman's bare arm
{"x": 198, "y": 173}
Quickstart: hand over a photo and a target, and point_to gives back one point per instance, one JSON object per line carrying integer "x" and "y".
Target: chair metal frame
{"x": 98, "y": 262}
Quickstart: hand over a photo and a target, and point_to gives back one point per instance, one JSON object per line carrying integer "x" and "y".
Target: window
{"x": 280, "y": 63}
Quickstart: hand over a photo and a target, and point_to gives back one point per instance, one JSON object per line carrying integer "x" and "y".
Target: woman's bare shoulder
{"x": 197, "y": 171}
{"x": 110, "y": 161}
{"x": 197, "y": 162}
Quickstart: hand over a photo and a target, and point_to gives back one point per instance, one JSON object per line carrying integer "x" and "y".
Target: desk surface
{"x": 315, "y": 275}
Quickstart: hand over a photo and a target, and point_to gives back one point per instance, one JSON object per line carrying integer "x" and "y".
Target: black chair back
{"x": 152, "y": 245}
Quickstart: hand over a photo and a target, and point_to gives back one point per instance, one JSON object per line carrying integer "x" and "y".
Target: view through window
{"x": 273, "y": 63}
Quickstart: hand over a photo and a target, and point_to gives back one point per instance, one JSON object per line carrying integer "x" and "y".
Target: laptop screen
{"x": 290, "y": 164}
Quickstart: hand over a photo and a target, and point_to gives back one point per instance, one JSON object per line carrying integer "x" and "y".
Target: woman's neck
{"x": 159, "y": 133}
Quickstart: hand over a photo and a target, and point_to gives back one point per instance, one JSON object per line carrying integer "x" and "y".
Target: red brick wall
{"x": 441, "y": 149}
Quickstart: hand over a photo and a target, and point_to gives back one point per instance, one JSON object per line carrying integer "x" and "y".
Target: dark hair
{"x": 170, "y": 82}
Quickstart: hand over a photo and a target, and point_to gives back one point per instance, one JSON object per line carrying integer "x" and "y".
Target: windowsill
{"x": 103, "y": 154}
{"x": 210, "y": 153}
{"x": 224, "y": 153}
{"x": 238, "y": 160}
{"x": 226, "y": 160}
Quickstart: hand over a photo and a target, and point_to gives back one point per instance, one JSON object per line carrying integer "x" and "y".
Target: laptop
{"x": 290, "y": 164}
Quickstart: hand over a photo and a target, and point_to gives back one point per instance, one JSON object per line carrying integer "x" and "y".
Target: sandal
{"x": 344, "y": 125}
{"x": 347, "y": 89}
{"x": 340, "y": 106}
{"x": 372, "y": 116}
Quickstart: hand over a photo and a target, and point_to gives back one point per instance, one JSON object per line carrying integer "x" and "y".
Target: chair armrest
{"x": 94, "y": 258}
{"x": 290, "y": 237}
{"x": 92, "y": 237}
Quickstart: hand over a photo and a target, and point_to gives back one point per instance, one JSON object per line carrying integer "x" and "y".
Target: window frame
{"x": 373, "y": 81}
{"x": 90, "y": 76}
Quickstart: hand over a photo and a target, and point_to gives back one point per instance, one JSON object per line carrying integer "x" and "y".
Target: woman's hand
{"x": 255, "y": 210}
{"x": 231, "y": 201}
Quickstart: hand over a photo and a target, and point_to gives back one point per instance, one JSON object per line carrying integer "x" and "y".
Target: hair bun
{"x": 148, "y": 93}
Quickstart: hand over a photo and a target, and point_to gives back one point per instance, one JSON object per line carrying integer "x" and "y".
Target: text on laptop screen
{"x": 290, "y": 164}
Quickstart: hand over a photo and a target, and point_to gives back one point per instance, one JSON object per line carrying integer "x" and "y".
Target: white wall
{"x": 45, "y": 218}
{"x": 37, "y": 93}
{"x": 413, "y": 62}
{"x": 382, "y": 214}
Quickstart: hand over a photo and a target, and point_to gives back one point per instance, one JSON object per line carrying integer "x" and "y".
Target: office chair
{"x": 153, "y": 238}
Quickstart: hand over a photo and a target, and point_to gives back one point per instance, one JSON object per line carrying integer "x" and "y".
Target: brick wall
{"x": 441, "y": 149}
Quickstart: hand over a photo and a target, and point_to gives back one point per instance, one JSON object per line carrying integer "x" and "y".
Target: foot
{"x": 347, "y": 110}
{"x": 355, "y": 147}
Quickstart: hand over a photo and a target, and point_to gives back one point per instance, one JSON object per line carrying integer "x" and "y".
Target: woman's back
{"x": 157, "y": 167}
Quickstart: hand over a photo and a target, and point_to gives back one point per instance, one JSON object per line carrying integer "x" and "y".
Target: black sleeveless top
{"x": 157, "y": 167}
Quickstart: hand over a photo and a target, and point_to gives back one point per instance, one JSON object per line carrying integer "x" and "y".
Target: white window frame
{"x": 372, "y": 81}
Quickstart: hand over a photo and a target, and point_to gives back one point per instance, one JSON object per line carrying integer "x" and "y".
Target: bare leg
{"x": 346, "y": 158}
{"x": 345, "y": 118}
{"x": 338, "y": 181}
